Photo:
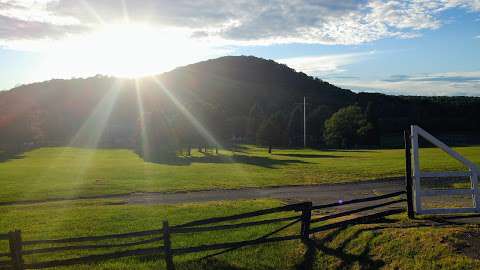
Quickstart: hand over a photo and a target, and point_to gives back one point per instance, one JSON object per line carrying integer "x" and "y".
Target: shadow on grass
{"x": 309, "y": 155}
{"x": 264, "y": 162}
{"x": 458, "y": 219}
{"x": 210, "y": 263}
{"x": 346, "y": 259}
{"x": 7, "y": 156}
{"x": 351, "y": 150}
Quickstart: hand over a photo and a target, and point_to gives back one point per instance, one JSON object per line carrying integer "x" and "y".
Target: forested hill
{"x": 229, "y": 97}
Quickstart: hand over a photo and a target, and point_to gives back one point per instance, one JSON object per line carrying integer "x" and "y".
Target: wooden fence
{"x": 302, "y": 213}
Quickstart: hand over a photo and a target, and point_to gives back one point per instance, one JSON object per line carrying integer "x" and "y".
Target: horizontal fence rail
{"x": 290, "y": 207}
{"x": 418, "y": 174}
{"x": 163, "y": 235}
{"x": 358, "y": 220}
{"x": 354, "y": 211}
{"x": 231, "y": 226}
{"x": 234, "y": 244}
{"x": 367, "y": 199}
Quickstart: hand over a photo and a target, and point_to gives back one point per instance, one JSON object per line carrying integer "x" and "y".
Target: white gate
{"x": 420, "y": 192}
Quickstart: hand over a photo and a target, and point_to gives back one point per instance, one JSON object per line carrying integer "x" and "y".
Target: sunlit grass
{"x": 97, "y": 217}
{"x": 395, "y": 243}
{"x": 113, "y": 171}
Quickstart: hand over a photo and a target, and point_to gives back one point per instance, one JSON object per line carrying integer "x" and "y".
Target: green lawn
{"x": 395, "y": 243}
{"x": 72, "y": 172}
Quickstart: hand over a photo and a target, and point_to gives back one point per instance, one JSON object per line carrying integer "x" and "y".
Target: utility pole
{"x": 304, "y": 122}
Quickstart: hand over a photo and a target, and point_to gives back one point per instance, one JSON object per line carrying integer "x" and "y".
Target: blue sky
{"x": 394, "y": 47}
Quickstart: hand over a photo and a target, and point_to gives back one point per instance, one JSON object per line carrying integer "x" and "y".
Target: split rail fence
{"x": 302, "y": 213}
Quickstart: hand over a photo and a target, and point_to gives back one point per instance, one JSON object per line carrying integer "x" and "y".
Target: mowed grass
{"x": 98, "y": 217}
{"x": 64, "y": 172}
{"x": 394, "y": 243}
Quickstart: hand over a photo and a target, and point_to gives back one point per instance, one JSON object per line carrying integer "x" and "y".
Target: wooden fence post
{"x": 167, "y": 246}
{"x": 408, "y": 173}
{"x": 15, "y": 241}
{"x": 306, "y": 218}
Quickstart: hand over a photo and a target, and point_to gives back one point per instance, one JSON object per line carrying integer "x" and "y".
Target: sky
{"x": 393, "y": 47}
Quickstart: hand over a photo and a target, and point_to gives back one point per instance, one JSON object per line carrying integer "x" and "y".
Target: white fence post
{"x": 474, "y": 181}
{"x": 416, "y": 170}
{"x": 417, "y": 175}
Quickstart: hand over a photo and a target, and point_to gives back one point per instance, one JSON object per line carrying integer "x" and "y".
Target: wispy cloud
{"x": 452, "y": 77}
{"x": 249, "y": 22}
{"x": 323, "y": 65}
{"x": 434, "y": 84}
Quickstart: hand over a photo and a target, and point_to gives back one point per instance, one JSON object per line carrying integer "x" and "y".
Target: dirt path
{"x": 325, "y": 193}
{"x": 318, "y": 194}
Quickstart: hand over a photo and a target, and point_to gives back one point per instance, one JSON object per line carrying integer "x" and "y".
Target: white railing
{"x": 472, "y": 172}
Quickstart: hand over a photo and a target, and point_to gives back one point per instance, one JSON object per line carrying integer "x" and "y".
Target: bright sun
{"x": 126, "y": 50}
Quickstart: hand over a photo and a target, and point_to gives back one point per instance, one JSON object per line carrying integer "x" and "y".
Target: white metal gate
{"x": 420, "y": 192}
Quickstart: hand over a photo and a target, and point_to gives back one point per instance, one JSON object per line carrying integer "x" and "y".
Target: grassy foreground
{"x": 72, "y": 172}
{"x": 394, "y": 243}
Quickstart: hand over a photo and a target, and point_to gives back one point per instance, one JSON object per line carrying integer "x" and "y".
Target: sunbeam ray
{"x": 92, "y": 11}
{"x": 92, "y": 129}
{"x": 203, "y": 131}
{"x": 89, "y": 136}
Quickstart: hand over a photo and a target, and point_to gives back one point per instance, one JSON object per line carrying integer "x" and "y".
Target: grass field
{"x": 383, "y": 245}
{"x": 71, "y": 172}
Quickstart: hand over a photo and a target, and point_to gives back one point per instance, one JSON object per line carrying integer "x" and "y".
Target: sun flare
{"x": 126, "y": 50}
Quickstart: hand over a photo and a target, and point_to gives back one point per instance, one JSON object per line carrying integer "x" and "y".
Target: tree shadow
{"x": 7, "y": 156}
{"x": 309, "y": 155}
{"x": 238, "y": 148}
{"x": 260, "y": 161}
{"x": 351, "y": 150}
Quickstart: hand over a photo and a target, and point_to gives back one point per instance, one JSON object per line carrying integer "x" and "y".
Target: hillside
{"x": 228, "y": 96}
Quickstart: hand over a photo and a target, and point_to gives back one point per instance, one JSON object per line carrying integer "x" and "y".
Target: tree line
{"x": 220, "y": 102}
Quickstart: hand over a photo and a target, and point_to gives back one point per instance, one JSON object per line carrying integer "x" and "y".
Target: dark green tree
{"x": 272, "y": 131}
{"x": 316, "y": 123}
{"x": 157, "y": 140}
{"x": 347, "y": 127}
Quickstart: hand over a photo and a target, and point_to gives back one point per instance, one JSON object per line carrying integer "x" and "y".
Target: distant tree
{"x": 157, "y": 140}
{"x": 272, "y": 131}
{"x": 316, "y": 123}
{"x": 255, "y": 120}
{"x": 295, "y": 126}
{"x": 347, "y": 127}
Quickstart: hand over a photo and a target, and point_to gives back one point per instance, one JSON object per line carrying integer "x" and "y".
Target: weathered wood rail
{"x": 20, "y": 248}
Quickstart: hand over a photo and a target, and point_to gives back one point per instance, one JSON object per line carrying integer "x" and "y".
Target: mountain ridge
{"x": 220, "y": 92}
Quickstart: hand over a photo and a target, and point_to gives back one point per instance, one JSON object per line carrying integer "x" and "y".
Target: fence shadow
{"x": 299, "y": 213}
{"x": 347, "y": 260}
{"x": 309, "y": 257}
{"x": 209, "y": 264}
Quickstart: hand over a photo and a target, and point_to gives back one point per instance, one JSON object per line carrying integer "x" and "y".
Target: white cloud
{"x": 22, "y": 20}
{"x": 324, "y": 64}
{"x": 234, "y": 22}
{"x": 434, "y": 84}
